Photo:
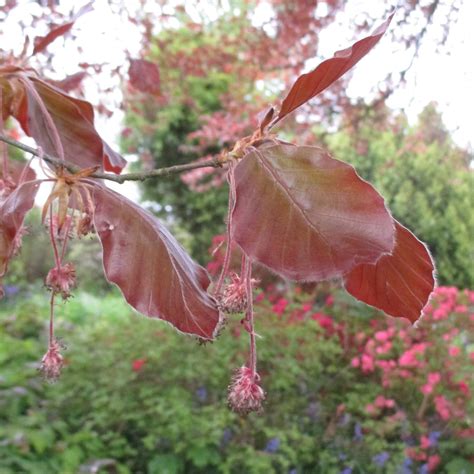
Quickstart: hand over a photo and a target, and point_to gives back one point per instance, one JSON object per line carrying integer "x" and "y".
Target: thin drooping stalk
{"x": 53, "y": 239}
{"x": 230, "y": 210}
{"x": 249, "y": 316}
{"x": 51, "y": 318}
{"x": 3, "y": 145}
{"x": 66, "y": 236}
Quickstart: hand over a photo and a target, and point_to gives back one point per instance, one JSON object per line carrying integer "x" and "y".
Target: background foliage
{"x": 349, "y": 390}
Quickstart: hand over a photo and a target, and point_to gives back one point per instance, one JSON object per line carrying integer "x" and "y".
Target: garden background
{"x": 350, "y": 390}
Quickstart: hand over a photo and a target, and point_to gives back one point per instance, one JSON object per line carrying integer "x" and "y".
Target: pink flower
{"x": 425, "y": 442}
{"x": 382, "y": 336}
{"x": 367, "y": 363}
{"x": 370, "y": 408}
{"x": 329, "y": 300}
{"x": 280, "y": 306}
{"x": 62, "y": 279}
{"x": 433, "y": 462}
{"x": 462, "y": 309}
{"x": 454, "y": 351}
{"x": 355, "y": 362}
{"x": 245, "y": 394}
{"x": 138, "y": 364}
{"x": 409, "y": 357}
{"x": 464, "y": 388}
{"x": 442, "y": 407}
{"x": 52, "y": 362}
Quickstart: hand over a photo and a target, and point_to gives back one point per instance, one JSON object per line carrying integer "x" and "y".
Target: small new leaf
{"x": 41, "y": 42}
{"x": 311, "y": 84}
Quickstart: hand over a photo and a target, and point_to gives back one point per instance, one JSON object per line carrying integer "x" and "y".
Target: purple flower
{"x": 405, "y": 468}
{"x": 381, "y": 458}
{"x": 226, "y": 436}
{"x": 434, "y": 437}
{"x": 358, "y": 435}
{"x": 272, "y": 445}
{"x": 346, "y": 470}
{"x": 424, "y": 469}
{"x": 201, "y": 393}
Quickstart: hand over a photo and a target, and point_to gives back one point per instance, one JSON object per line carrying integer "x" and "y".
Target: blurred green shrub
{"x": 348, "y": 391}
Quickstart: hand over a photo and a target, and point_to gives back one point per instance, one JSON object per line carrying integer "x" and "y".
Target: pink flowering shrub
{"x": 415, "y": 383}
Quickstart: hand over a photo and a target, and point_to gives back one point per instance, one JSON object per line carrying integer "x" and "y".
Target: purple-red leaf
{"x": 399, "y": 284}
{"x": 306, "y": 215}
{"x": 74, "y": 122}
{"x": 41, "y": 42}
{"x": 312, "y": 83}
{"x": 156, "y": 276}
{"x": 71, "y": 82}
{"x": 144, "y": 76}
{"x": 12, "y": 214}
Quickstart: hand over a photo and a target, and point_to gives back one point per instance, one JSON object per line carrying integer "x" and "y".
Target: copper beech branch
{"x": 215, "y": 162}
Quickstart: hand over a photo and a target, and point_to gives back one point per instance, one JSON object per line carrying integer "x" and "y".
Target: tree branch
{"x": 139, "y": 176}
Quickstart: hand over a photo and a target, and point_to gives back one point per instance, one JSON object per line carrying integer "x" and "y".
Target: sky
{"x": 446, "y": 77}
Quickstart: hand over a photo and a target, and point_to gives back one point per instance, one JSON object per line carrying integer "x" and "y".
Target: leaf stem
{"x": 216, "y": 162}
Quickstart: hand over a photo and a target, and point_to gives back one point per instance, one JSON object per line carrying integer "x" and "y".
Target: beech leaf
{"x": 74, "y": 121}
{"x": 306, "y": 215}
{"x": 12, "y": 215}
{"x": 41, "y": 42}
{"x": 156, "y": 276}
{"x": 312, "y": 83}
{"x": 144, "y": 76}
{"x": 399, "y": 284}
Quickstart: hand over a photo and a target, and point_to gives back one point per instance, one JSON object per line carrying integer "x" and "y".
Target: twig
{"x": 215, "y": 162}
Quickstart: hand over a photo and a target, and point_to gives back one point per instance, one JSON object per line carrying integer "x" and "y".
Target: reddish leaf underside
{"x": 306, "y": 215}
{"x": 311, "y": 84}
{"x": 154, "y": 273}
{"x": 69, "y": 83}
{"x": 16, "y": 169}
{"x": 12, "y": 214}
{"x": 144, "y": 76}
{"x": 399, "y": 284}
{"x": 74, "y": 121}
{"x": 41, "y": 42}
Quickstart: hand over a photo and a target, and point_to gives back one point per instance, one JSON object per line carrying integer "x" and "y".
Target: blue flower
{"x": 346, "y": 470}
{"x": 272, "y": 445}
{"x": 381, "y": 458}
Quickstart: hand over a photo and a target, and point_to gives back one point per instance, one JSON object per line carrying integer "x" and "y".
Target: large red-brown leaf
{"x": 41, "y": 42}
{"x": 399, "y": 284}
{"x": 306, "y": 215}
{"x": 144, "y": 76}
{"x": 74, "y": 121}
{"x": 312, "y": 83}
{"x": 12, "y": 214}
{"x": 156, "y": 276}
